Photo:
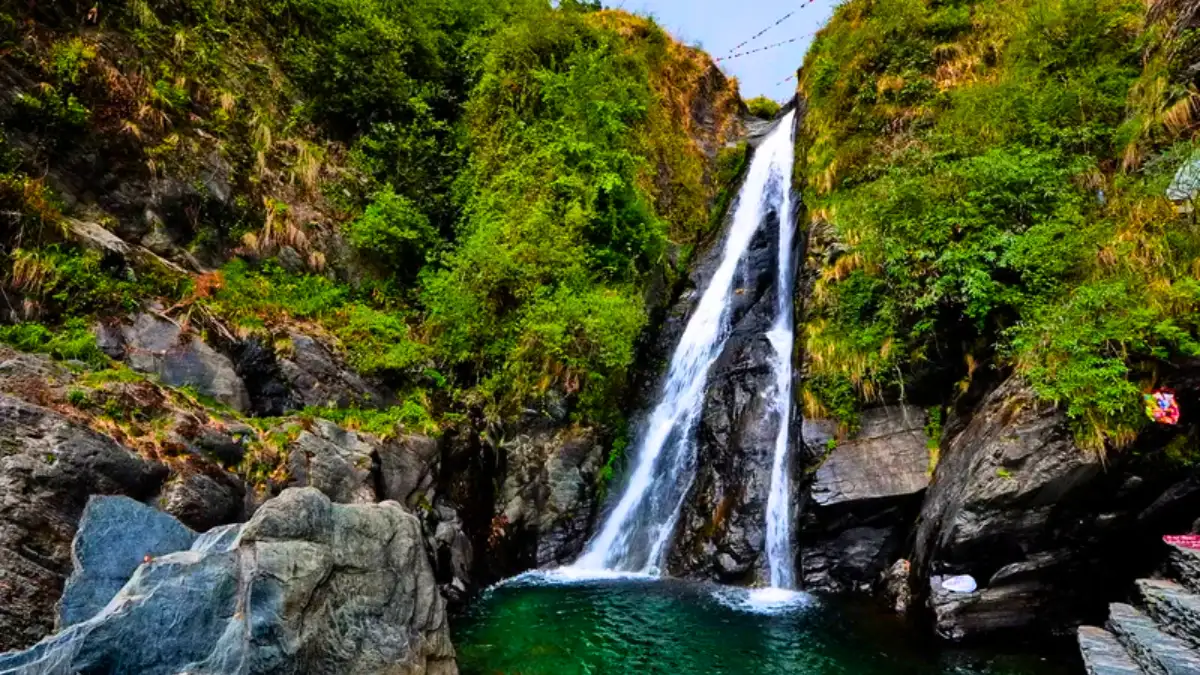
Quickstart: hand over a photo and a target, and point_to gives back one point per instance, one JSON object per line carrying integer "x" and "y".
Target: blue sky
{"x": 719, "y": 25}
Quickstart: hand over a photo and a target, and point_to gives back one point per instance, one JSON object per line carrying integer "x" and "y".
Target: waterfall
{"x": 637, "y": 532}
{"x": 781, "y": 562}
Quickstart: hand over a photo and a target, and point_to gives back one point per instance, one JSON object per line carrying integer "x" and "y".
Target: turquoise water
{"x": 674, "y": 628}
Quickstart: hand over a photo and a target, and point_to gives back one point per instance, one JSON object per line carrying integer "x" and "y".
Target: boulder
{"x": 359, "y": 468}
{"x": 154, "y": 344}
{"x": 548, "y": 499}
{"x": 115, "y": 536}
{"x": 306, "y": 586}
{"x": 49, "y": 466}
{"x": 203, "y": 501}
{"x": 863, "y": 497}
{"x": 335, "y": 461}
{"x": 317, "y": 378}
{"x": 407, "y": 469}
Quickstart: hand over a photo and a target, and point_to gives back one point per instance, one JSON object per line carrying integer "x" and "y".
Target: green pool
{"x": 535, "y": 627}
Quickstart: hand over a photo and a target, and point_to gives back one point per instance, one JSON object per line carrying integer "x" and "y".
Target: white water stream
{"x": 635, "y": 537}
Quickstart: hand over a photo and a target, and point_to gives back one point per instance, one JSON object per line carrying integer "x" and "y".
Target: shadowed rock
{"x": 49, "y": 466}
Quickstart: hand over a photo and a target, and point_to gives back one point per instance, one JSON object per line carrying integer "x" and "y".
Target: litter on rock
{"x": 1162, "y": 407}
{"x": 963, "y": 583}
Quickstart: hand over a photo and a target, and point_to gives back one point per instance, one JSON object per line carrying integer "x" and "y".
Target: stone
{"x": 317, "y": 378}
{"x": 548, "y": 498}
{"x": 1176, "y": 610}
{"x": 1154, "y": 650}
{"x": 49, "y": 467}
{"x": 889, "y": 457}
{"x": 335, "y": 461}
{"x": 153, "y": 344}
{"x": 1103, "y": 654}
{"x": 453, "y": 555}
{"x": 203, "y": 501}
{"x": 863, "y": 497}
{"x": 896, "y": 590}
{"x": 115, "y": 535}
{"x": 1010, "y": 503}
{"x": 1184, "y": 563}
{"x": 306, "y": 586}
{"x": 408, "y": 468}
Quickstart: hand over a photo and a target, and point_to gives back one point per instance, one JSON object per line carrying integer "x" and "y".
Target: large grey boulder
{"x": 863, "y": 497}
{"x": 115, "y": 536}
{"x": 1004, "y": 507}
{"x": 1046, "y": 528}
{"x": 335, "y": 461}
{"x": 49, "y": 466}
{"x": 307, "y": 586}
{"x": 154, "y": 344}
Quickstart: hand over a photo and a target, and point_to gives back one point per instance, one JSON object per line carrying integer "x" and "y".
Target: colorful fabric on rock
{"x": 1162, "y": 407}
{"x": 1191, "y": 541}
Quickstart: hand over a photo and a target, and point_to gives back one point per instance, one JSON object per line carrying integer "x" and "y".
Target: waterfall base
{"x": 539, "y": 626}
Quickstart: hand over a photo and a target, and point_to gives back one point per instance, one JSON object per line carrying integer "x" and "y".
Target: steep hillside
{"x": 463, "y": 199}
{"x": 987, "y": 183}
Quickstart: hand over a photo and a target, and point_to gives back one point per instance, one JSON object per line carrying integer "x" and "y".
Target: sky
{"x": 717, "y": 26}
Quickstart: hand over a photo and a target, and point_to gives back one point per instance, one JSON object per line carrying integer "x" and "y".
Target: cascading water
{"x": 780, "y": 559}
{"x": 636, "y": 534}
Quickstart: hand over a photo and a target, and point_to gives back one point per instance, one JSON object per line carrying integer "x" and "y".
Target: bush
{"x": 763, "y": 107}
{"x": 393, "y": 234}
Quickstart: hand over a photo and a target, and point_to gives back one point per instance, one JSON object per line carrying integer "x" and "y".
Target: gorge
{"x": 437, "y": 336}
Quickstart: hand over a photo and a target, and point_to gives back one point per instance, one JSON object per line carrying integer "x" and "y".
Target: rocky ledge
{"x": 1161, "y": 637}
{"x": 305, "y": 586}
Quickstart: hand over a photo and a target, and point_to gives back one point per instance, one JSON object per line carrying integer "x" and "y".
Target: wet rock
{"x": 305, "y": 586}
{"x": 548, "y": 499}
{"x": 1154, "y": 650}
{"x": 317, "y": 378}
{"x": 863, "y": 497}
{"x": 49, "y": 466}
{"x": 1103, "y": 654}
{"x": 722, "y": 530}
{"x": 153, "y": 344}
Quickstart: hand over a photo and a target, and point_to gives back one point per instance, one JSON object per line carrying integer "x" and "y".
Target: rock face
{"x": 547, "y": 502}
{"x": 153, "y": 344}
{"x": 306, "y": 586}
{"x": 1041, "y": 524}
{"x": 862, "y": 498}
{"x": 999, "y": 509}
{"x": 48, "y": 468}
{"x": 722, "y": 529}
{"x": 354, "y": 468}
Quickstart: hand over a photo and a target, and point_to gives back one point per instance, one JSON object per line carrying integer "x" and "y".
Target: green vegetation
{"x": 986, "y": 184}
{"x": 763, "y": 107}
{"x": 466, "y": 198}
